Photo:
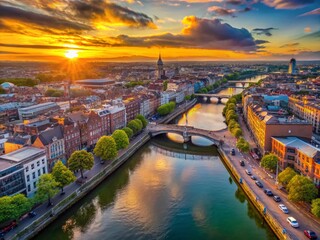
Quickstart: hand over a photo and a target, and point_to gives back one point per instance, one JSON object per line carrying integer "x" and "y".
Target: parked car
{"x": 253, "y": 177}
{"x": 11, "y": 226}
{"x": 32, "y": 214}
{"x": 233, "y": 152}
{"x": 259, "y": 184}
{"x": 276, "y": 198}
{"x": 283, "y": 208}
{"x": 248, "y": 172}
{"x": 293, "y": 222}
{"x": 268, "y": 192}
{"x": 242, "y": 163}
{"x": 310, "y": 234}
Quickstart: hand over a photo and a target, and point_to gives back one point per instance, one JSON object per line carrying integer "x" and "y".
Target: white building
{"x": 38, "y": 109}
{"x": 164, "y": 98}
{"x": 34, "y": 163}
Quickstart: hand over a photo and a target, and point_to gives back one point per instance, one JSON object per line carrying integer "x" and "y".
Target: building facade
{"x": 37, "y": 110}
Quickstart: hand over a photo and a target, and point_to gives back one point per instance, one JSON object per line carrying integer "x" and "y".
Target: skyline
{"x": 211, "y": 30}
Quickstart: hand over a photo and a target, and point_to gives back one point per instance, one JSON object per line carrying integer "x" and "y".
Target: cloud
{"x": 12, "y": 13}
{"x": 307, "y": 29}
{"x": 313, "y": 12}
{"x": 198, "y": 33}
{"x": 264, "y": 31}
{"x": 290, "y": 45}
{"x": 110, "y": 13}
{"x": 36, "y": 46}
{"x": 220, "y": 11}
{"x": 314, "y": 35}
{"x": 287, "y": 4}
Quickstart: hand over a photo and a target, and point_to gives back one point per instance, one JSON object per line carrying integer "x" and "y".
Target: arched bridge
{"x": 186, "y": 132}
{"x": 210, "y": 95}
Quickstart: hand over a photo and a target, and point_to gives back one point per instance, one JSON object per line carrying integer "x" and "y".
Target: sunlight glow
{"x": 71, "y": 54}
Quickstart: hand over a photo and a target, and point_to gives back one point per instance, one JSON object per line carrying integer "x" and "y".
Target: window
{"x": 290, "y": 157}
{"x": 42, "y": 161}
{"x": 39, "y": 172}
{"x": 27, "y": 168}
{"x": 33, "y": 175}
{"x": 34, "y": 184}
{"x": 291, "y": 150}
{"x": 32, "y": 166}
{"x": 38, "y": 163}
{"x": 29, "y": 188}
{"x": 43, "y": 170}
{"x": 28, "y": 178}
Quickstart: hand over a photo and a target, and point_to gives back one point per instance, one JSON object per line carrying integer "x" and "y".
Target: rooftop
{"x": 47, "y": 104}
{"x": 297, "y": 143}
{"x": 22, "y": 154}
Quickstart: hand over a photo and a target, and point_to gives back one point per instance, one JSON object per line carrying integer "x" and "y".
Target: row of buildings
{"x": 284, "y": 122}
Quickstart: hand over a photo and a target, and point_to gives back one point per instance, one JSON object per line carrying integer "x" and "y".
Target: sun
{"x": 71, "y": 54}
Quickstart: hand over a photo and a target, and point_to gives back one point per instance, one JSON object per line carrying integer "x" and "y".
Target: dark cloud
{"x": 258, "y": 42}
{"x": 199, "y": 33}
{"x": 264, "y": 31}
{"x": 110, "y": 12}
{"x": 220, "y": 11}
{"x": 36, "y": 46}
{"x": 314, "y": 35}
{"x": 12, "y": 13}
{"x": 290, "y": 45}
{"x": 287, "y": 4}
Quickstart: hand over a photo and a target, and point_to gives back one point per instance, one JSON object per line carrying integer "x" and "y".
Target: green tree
{"x": 121, "y": 139}
{"x": 62, "y": 175}
{"x": 301, "y": 188}
{"x": 315, "y": 207}
{"x": 243, "y": 145}
{"x": 237, "y": 132}
{"x": 143, "y": 120}
{"x": 128, "y": 131}
{"x": 286, "y": 175}
{"x": 12, "y": 207}
{"x": 163, "y": 110}
{"x": 81, "y": 160}
{"x": 165, "y": 85}
{"x": 138, "y": 121}
{"x": 134, "y": 126}
{"x": 269, "y": 162}
{"x": 106, "y": 148}
{"x": 231, "y": 106}
{"x": 47, "y": 187}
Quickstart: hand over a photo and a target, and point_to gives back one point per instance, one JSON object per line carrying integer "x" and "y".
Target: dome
{"x": 7, "y": 85}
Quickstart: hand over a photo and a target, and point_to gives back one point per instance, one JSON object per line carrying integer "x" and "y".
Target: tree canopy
{"x": 135, "y": 126}
{"x": 243, "y": 145}
{"x": 81, "y": 160}
{"x": 47, "y": 187}
{"x": 128, "y": 131}
{"x": 286, "y": 175}
{"x": 12, "y": 207}
{"x": 106, "y": 148}
{"x": 301, "y": 188}
{"x": 143, "y": 120}
{"x": 121, "y": 139}
{"x": 315, "y": 207}
{"x": 166, "y": 108}
{"x": 62, "y": 175}
{"x": 269, "y": 162}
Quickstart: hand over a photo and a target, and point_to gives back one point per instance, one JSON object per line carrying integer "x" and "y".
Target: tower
{"x": 292, "y": 66}
{"x": 160, "y": 68}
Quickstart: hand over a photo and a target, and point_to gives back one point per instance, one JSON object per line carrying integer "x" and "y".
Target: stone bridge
{"x": 210, "y": 95}
{"x": 186, "y": 132}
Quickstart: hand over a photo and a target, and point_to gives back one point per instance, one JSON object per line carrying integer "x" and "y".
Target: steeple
{"x": 159, "y": 60}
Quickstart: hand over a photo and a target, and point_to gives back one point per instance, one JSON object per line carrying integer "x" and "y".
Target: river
{"x": 166, "y": 190}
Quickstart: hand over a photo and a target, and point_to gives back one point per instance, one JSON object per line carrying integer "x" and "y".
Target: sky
{"x": 127, "y": 30}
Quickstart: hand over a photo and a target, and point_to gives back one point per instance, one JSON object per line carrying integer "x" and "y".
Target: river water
{"x": 167, "y": 190}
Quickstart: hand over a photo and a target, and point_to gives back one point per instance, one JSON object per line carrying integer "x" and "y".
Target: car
{"x": 253, "y": 177}
{"x": 259, "y": 184}
{"x": 248, "y": 172}
{"x": 283, "y": 208}
{"x": 268, "y": 192}
{"x": 310, "y": 234}
{"x": 233, "y": 152}
{"x": 11, "y": 226}
{"x": 32, "y": 214}
{"x": 242, "y": 163}
{"x": 276, "y": 198}
{"x": 293, "y": 222}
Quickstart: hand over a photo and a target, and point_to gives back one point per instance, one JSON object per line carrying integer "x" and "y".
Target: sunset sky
{"x": 179, "y": 29}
